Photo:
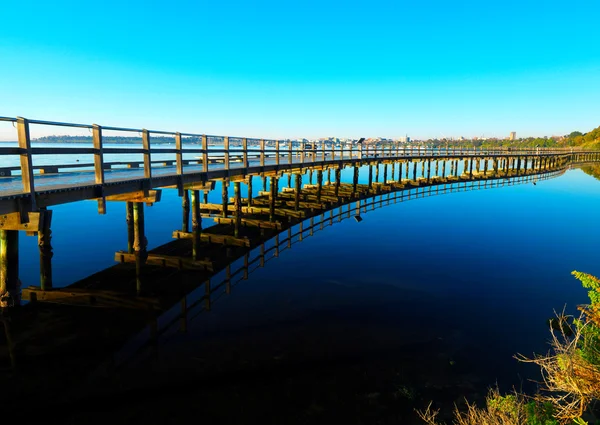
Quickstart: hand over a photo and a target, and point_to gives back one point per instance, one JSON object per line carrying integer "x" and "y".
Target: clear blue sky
{"x": 310, "y": 68}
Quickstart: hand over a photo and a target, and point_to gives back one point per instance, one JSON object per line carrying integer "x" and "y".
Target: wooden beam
{"x": 90, "y": 297}
{"x": 214, "y": 238}
{"x": 167, "y": 261}
{"x": 13, "y": 221}
{"x": 251, "y": 222}
{"x": 139, "y": 196}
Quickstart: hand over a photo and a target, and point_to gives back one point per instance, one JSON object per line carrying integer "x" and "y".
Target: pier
{"x": 270, "y": 199}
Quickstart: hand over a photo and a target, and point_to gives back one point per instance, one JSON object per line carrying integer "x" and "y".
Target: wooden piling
{"x": 249, "y": 197}
{"x": 45, "y": 248}
{"x": 196, "y": 224}
{"x": 298, "y": 187}
{"x": 238, "y": 208}
{"x": 272, "y": 199}
{"x": 9, "y": 268}
{"x": 225, "y": 196}
{"x": 139, "y": 244}
{"x": 130, "y": 228}
{"x": 185, "y": 206}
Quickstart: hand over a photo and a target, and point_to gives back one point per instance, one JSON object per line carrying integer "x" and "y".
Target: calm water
{"x": 427, "y": 299}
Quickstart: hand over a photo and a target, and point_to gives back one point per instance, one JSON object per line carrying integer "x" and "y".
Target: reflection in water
{"x": 364, "y": 366}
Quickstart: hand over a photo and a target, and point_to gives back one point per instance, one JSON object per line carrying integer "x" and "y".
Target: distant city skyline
{"x": 313, "y": 69}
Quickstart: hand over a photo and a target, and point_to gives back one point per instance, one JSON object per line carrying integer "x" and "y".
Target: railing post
{"x": 146, "y": 147}
{"x": 26, "y": 162}
{"x": 262, "y": 152}
{"x": 245, "y": 153}
{"x": 179, "y": 154}
{"x": 99, "y": 165}
{"x": 277, "y": 145}
{"x": 204, "y": 153}
{"x": 290, "y": 156}
{"x": 226, "y": 154}
{"x": 332, "y": 151}
{"x": 323, "y": 150}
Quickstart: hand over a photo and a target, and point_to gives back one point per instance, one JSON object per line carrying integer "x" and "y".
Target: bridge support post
{"x": 196, "y": 224}
{"x": 249, "y": 191}
{"x": 370, "y": 176}
{"x": 237, "y": 201}
{"x": 377, "y": 173}
{"x": 393, "y": 170}
{"x": 414, "y": 171}
{"x": 140, "y": 243}
{"x": 471, "y": 168}
{"x": 45, "y": 247}
{"x": 9, "y": 268}
{"x": 437, "y": 166}
{"x": 428, "y": 170}
{"x": 298, "y": 187}
{"x": 338, "y": 178}
{"x": 272, "y": 198}
{"x": 400, "y": 172}
{"x": 485, "y": 166}
{"x": 444, "y": 168}
{"x": 225, "y": 196}
{"x": 385, "y": 167}
{"x": 355, "y": 181}
{"x": 319, "y": 184}
{"x": 130, "y": 228}
{"x": 185, "y": 206}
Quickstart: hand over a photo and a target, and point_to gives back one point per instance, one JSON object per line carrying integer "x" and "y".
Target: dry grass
{"x": 508, "y": 410}
{"x": 571, "y": 382}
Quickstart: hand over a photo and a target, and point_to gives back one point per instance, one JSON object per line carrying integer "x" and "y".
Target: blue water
{"x": 478, "y": 272}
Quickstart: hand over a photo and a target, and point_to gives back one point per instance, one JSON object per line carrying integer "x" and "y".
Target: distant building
{"x": 513, "y": 135}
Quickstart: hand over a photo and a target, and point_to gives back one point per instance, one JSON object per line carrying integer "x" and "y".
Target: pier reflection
{"x": 95, "y": 327}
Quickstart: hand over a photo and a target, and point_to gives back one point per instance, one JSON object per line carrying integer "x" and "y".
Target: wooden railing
{"x": 227, "y": 151}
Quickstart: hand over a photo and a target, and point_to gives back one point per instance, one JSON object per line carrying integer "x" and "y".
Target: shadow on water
{"x": 279, "y": 332}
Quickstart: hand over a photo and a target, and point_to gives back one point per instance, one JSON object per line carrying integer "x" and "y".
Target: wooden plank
{"x": 167, "y": 261}
{"x": 214, "y": 238}
{"x": 90, "y": 297}
{"x": 251, "y": 222}
{"x": 13, "y": 221}
{"x": 137, "y": 196}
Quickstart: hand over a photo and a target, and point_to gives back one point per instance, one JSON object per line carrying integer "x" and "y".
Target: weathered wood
{"x": 25, "y": 158}
{"x": 196, "y": 224}
{"x": 185, "y": 207}
{"x": 179, "y": 154}
{"x": 9, "y": 268}
{"x": 214, "y": 238}
{"x": 140, "y": 196}
{"x": 162, "y": 260}
{"x": 250, "y": 222}
{"x": 45, "y": 248}
{"x": 147, "y": 159}
{"x": 140, "y": 243}
{"x": 13, "y": 221}
{"x": 93, "y": 297}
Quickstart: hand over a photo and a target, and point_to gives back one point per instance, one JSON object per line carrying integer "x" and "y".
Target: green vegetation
{"x": 590, "y": 140}
{"x": 571, "y": 376}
